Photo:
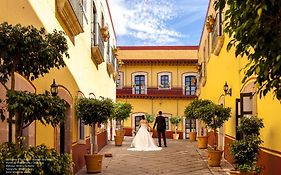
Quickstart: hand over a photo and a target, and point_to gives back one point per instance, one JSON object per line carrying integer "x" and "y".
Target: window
{"x": 139, "y": 81}
{"x": 81, "y": 130}
{"x": 167, "y": 123}
{"x": 164, "y": 80}
{"x": 119, "y": 81}
{"x": 139, "y": 84}
{"x": 190, "y": 83}
{"x": 137, "y": 121}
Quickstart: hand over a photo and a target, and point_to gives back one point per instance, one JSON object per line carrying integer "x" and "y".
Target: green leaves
{"x": 42, "y": 159}
{"x": 245, "y": 151}
{"x": 149, "y": 118}
{"x": 255, "y": 28}
{"x": 190, "y": 112}
{"x": 92, "y": 111}
{"x": 213, "y": 115}
{"x": 31, "y": 107}
{"x": 121, "y": 111}
{"x": 175, "y": 120}
{"x": 29, "y": 51}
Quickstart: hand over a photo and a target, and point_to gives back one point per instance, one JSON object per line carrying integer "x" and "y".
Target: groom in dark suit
{"x": 161, "y": 128}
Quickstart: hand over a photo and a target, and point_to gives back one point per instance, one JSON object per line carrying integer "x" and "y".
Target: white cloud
{"x": 146, "y": 20}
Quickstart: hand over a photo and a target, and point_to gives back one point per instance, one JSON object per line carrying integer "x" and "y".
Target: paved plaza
{"x": 179, "y": 158}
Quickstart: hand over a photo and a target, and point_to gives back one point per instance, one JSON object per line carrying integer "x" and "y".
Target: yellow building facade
{"x": 157, "y": 78}
{"x": 219, "y": 67}
{"x": 91, "y": 70}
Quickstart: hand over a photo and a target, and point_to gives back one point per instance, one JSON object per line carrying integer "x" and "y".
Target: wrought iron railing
{"x": 78, "y": 9}
{"x": 217, "y": 29}
{"x": 97, "y": 39}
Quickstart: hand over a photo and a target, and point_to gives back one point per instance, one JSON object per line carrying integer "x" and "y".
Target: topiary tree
{"x": 93, "y": 111}
{"x": 175, "y": 120}
{"x": 31, "y": 53}
{"x": 254, "y": 27}
{"x": 29, "y": 107}
{"x": 190, "y": 112}
{"x": 213, "y": 116}
{"x": 121, "y": 112}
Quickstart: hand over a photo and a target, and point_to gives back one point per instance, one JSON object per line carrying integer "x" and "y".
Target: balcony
{"x": 111, "y": 63}
{"x": 97, "y": 48}
{"x": 153, "y": 92}
{"x": 217, "y": 35}
{"x": 71, "y": 13}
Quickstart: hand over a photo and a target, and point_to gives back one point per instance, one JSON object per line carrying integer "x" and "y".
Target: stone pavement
{"x": 181, "y": 157}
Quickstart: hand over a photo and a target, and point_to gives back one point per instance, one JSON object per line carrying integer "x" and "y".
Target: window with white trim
{"x": 164, "y": 80}
{"x": 190, "y": 83}
{"x": 139, "y": 83}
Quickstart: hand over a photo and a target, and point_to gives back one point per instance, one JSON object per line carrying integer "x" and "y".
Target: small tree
{"x": 213, "y": 116}
{"x": 245, "y": 151}
{"x": 93, "y": 111}
{"x": 175, "y": 121}
{"x": 121, "y": 112}
{"x": 29, "y": 107}
{"x": 190, "y": 110}
{"x": 30, "y": 52}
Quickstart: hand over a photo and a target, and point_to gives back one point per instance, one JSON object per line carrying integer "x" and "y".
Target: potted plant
{"x": 93, "y": 111}
{"x": 214, "y": 116}
{"x": 121, "y": 112}
{"x": 175, "y": 121}
{"x": 209, "y": 27}
{"x": 211, "y": 20}
{"x": 190, "y": 112}
{"x": 150, "y": 119}
{"x": 115, "y": 51}
{"x": 245, "y": 151}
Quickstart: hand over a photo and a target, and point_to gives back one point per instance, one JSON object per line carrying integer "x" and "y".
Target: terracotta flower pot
{"x": 176, "y": 136}
{"x": 192, "y": 136}
{"x": 118, "y": 140}
{"x": 93, "y": 163}
{"x": 202, "y": 142}
{"x": 214, "y": 157}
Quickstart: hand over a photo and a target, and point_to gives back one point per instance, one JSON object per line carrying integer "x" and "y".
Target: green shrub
{"x": 245, "y": 151}
{"x": 44, "y": 161}
{"x": 149, "y": 118}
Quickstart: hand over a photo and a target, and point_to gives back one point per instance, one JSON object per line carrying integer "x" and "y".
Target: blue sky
{"x": 158, "y": 22}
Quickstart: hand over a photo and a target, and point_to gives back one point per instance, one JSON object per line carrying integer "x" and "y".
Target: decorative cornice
{"x": 158, "y": 47}
{"x": 163, "y": 61}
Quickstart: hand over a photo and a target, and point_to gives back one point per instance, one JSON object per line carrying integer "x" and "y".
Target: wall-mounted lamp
{"x": 54, "y": 88}
{"x": 226, "y": 89}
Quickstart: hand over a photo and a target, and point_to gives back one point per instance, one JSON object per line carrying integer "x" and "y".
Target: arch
{"x": 250, "y": 87}
{"x": 64, "y": 131}
{"x": 22, "y": 84}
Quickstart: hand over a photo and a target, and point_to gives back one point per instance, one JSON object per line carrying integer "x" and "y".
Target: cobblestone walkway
{"x": 181, "y": 157}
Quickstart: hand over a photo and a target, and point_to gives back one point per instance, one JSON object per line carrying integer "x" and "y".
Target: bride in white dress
{"x": 143, "y": 141}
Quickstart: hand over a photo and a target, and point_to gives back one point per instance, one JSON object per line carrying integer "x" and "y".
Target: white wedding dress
{"x": 143, "y": 141}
